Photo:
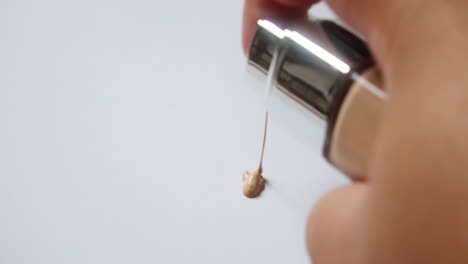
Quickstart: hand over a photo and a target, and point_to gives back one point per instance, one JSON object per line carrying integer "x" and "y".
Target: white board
{"x": 125, "y": 127}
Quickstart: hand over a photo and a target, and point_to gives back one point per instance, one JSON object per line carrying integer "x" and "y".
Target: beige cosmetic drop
{"x": 253, "y": 182}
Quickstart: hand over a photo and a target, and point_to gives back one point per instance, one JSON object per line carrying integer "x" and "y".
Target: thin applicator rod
{"x": 270, "y": 83}
{"x": 264, "y": 141}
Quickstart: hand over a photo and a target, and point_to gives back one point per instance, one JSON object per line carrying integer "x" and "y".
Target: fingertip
{"x": 332, "y": 222}
{"x": 248, "y": 29}
{"x": 251, "y": 11}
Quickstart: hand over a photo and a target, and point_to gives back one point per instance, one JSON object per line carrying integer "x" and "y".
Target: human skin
{"x": 412, "y": 206}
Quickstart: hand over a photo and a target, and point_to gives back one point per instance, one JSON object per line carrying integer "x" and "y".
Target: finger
{"x": 335, "y": 226}
{"x": 257, "y": 9}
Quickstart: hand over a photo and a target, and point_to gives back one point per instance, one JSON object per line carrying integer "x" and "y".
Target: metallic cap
{"x": 315, "y": 61}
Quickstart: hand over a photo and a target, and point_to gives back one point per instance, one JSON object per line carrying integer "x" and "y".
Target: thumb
{"x": 336, "y": 229}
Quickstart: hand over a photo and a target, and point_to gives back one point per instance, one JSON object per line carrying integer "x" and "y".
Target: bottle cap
{"x": 315, "y": 62}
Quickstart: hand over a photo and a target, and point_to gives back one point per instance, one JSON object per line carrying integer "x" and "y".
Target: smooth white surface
{"x": 125, "y": 127}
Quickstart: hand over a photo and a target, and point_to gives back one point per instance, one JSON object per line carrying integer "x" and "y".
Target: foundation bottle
{"x": 330, "y": 71}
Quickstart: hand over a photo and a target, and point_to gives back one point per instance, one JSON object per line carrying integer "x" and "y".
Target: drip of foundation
{"x": 253, "y": 182}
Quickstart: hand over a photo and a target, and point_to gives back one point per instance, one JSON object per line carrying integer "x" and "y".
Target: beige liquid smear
{"x": 253, "y": 182}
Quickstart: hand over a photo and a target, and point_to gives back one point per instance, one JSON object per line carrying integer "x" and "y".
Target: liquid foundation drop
{"x": 253, "y": 182}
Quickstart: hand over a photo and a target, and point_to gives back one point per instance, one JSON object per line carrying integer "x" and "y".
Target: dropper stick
{"x": 264, "y": 140}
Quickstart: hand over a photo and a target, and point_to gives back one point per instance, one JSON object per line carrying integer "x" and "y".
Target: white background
{"x": 125, "y": 127}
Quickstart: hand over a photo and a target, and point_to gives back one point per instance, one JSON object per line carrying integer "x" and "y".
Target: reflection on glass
{"x": 318, "y": 51}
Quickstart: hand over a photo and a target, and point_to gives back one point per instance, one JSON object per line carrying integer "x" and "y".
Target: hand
{"x": 413, "y": 205}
